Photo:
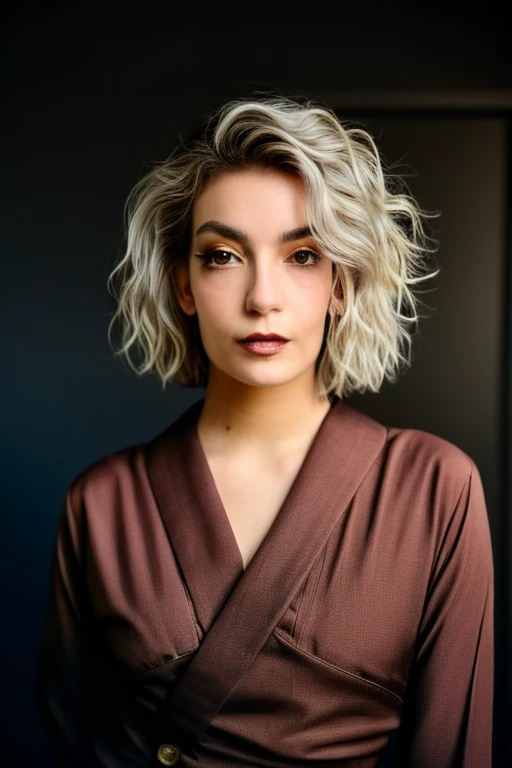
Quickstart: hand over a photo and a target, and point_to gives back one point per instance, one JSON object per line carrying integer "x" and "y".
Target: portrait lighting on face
{"x": 254, "y": 269}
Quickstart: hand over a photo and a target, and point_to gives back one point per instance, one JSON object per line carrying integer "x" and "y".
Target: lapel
{"x": 199, "y": 531}
{"x": 226, "y": 598}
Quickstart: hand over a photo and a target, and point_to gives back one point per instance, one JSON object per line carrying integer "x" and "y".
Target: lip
{"x": 262, "y": 337}
{"x": 263, "y": 345}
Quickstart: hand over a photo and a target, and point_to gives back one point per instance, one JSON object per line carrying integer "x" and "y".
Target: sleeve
{"x": 448, "y": 707}
{"x": 66, "y": 655}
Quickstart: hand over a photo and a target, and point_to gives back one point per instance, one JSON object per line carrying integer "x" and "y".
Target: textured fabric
{"x": 391, "y": 627}
{"x": 275, "y": 573}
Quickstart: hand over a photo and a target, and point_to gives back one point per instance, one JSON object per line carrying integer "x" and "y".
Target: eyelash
{"x": 208, "y": 257}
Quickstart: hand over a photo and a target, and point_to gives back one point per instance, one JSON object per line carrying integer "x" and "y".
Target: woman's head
{"x": 370, "y": 230}
{"x": 255, "y": 270}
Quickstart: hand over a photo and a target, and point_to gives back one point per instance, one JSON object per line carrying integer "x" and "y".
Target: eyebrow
{"x": 242, "y": 237}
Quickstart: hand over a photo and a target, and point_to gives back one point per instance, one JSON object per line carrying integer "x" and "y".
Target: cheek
{"x": 217, "y": 296}
{"x": 319, "y": 300}
{"x": 213, "y": 311}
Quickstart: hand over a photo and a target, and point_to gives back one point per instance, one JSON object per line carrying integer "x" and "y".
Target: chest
{"x": 252, "y": 495}
{"x": 355, "y": 612}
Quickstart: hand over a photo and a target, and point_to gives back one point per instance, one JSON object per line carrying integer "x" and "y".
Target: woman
{"x": 276, "y": 579}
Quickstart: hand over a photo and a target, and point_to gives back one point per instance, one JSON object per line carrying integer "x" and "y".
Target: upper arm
{"x": 65, "y": 655}
{"x": 447, "y": 714}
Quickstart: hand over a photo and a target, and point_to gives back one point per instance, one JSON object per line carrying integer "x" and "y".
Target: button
{"x": 168, "y": 754}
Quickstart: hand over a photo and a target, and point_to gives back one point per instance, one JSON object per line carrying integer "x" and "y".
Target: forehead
{"x": 252, "y": 193}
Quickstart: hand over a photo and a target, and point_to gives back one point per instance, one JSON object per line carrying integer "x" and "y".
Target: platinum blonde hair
{"x": 364, "y": 220}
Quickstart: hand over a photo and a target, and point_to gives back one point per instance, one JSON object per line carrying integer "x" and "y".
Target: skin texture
{"x": 257, "y": 284}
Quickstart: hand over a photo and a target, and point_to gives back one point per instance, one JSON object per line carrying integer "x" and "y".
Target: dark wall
{"x": 90, "y": 96}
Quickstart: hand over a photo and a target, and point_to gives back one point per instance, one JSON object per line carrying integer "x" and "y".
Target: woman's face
{"x": 255, "y": 269}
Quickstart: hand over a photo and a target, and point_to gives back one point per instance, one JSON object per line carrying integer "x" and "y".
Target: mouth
{"x": 263, "y": 344}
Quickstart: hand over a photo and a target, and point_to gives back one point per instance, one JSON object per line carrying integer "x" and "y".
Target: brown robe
{"x": 390, "y": 625}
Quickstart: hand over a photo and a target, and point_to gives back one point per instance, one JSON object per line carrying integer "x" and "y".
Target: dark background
{"x": 91, "y": 95}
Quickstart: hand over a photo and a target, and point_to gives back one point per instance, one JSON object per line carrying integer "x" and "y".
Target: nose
{"x": 265, "y": 291}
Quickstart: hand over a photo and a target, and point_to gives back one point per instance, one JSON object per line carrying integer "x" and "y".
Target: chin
{"x": 265, "y": 378}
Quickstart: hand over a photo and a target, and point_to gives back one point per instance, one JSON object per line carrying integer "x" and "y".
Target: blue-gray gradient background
{"x": 91, "y": 96}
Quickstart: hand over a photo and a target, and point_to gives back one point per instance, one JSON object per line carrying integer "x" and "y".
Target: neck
{"x": 266, "y": 417}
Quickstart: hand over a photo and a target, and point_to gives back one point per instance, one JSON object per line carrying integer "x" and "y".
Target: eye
{"x": 218, "y": 257}
{"x": 305, "y": 257}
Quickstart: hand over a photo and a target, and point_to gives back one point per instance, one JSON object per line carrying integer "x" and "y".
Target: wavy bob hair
{"x": 364, "y": 220}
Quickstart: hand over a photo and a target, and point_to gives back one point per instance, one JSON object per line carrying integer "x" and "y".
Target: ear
{"x": 183, "y": 288}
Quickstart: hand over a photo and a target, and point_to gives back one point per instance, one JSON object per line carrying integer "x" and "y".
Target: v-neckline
{"x": 218, "y": 499}
{"x": 197, "y": 525}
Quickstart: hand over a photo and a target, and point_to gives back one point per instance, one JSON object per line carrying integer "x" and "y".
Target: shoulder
{"x": 425, "y": 450}
{"x": 432, "y": 491}
{"x": 409, "y": 452}
{"x": 433, "y": 473}
{"x": 418, "y": 470}
{"x": 107, "y": 478}
{"x": 118, "y": 483}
